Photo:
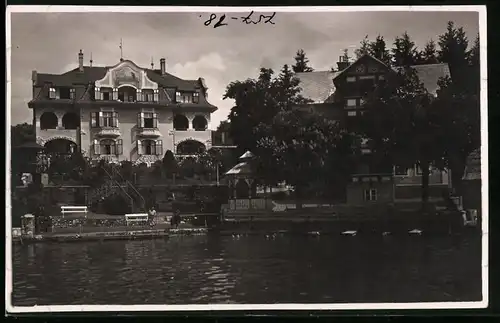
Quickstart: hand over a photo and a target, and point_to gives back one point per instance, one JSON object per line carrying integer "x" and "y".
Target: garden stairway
{"x": 116, "y": 184}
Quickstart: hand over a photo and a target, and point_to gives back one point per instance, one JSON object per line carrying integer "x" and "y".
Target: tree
{"x": 169, "y": 164}
{"x": 364, "y": 48}
{"x": 21, "y": 134}
{"x": 460, "y": 113}
{"x": 429, "y": 54}
{"x": 404, "y": 52}
{"x": 301, "y": 63}
{"x": 378, "y": 50}
{"x": 258, "y": 102}
{"x": 400, "y": 123}
{"x": 296, "y": 147}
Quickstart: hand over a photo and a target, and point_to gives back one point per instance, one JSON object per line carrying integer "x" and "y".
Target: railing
{"x": 119, "y": 185}
{"x": 115, "y": 171}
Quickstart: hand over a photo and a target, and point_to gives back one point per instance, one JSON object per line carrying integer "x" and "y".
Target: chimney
{"x": 34, "y": 77}
{"x": 342, "y": 64}
{"x": 163, "y": 67}
{"x": 80, "y": 61}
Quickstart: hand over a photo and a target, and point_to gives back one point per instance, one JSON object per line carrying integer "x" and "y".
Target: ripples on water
{"x": 215, "y": 269}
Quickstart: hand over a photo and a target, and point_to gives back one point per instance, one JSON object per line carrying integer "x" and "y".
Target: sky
{"x": 50, "y": 42}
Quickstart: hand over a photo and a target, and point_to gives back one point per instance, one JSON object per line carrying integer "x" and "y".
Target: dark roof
{"x": 95, "y": 73}
{"x": 318, "y": 85}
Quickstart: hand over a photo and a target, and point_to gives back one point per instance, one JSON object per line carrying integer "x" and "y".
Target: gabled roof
{"x": 359, "y": 59}
{"x": 243, "y": 168}
{"x": 429, "y": 74}
{"x": 318, "y": 85}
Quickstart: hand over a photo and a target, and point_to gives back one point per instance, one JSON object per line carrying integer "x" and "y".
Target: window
{"x": 104, "y": 119}
{"x": 399, "y": 170}
{"x": 150, "y": 147}
{"x": 352, "y": 102}
{"x": 184, "y": 97}
{"x": 52, "y": 93}
{"x": 72, "y": 94}
{"x": 107, "y": 147}
{"x": 367, "y": 77}
{"x": 351, "y": 113}
{"x": 371, "y": 194}
{"x": 64, "y": 93}
{"x": 147, "y": 96}
{"x": 148, "y": 120}
{"x": 196, "y": 97}
{"x": 106, "y": 94}
{"x": 351, "y": 79}
{"x": 127, "y": 94}
{"x": 381, "y": 78}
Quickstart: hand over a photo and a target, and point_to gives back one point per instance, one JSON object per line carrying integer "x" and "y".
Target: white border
{"x": 353, "y": 306}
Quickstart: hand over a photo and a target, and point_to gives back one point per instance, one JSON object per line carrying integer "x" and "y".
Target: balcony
{"x": 110, "y": 132}
{"x": 148, "y": 132}
{"x": 58, "y": 132}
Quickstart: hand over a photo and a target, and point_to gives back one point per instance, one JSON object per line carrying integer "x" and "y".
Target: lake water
{"x": 253, "y": 269}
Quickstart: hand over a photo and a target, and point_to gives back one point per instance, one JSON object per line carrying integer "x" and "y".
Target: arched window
{"x": 190, "y": 147}
{"x": 60, "y": 146}
{"x": 242, "y": 189}
{"x": 70, "y": 121}
{"x": 127, "y": 94}
{"x": 181, "y": 122}
{"x": 48, "y": 120}
{"x": 200, "y": 123}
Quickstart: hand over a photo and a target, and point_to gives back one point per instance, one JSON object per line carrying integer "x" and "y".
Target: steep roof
{"x": 95, "y": 73}
{"x": 429, "y": 74}
{"x": 316, "y": 86}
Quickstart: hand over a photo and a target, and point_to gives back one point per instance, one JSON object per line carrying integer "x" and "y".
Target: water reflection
{"x": 252, "y": 269}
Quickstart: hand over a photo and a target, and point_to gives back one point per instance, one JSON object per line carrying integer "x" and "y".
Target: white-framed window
{"x": 184, "y": 97}
{"x": 351, "y": 113}
{"x": 148, "y": 120}
{"x": 72, "y": 94}
{"x": 150, "y": 147}
{"x": 108, "y": 147}
{"x": 196, "y": 97}
{"x": 370, "y": 194}
{"x": 351, "y": 79}
{"x": 352, "y": 102}
{"x": 108, "y": 119}
{"x": 52, "y": 93}
{"x": 148, "y": 95}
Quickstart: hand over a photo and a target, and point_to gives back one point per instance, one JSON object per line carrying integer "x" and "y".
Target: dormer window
{"x": 184, "y": 97}
{"x": 72, "y": 94}
{"x": 52, "y": 93}
{"x": 64, "y": 93}
{"x": 106, "y": 94}
{"x": 148, "y": 95}
{"x": 127, "y": 94}
{"x": 196, "y": 97}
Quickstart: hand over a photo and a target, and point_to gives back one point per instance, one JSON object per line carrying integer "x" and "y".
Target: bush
{"x": 116, "y": 205}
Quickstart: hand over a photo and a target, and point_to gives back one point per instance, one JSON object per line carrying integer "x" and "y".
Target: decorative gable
{"x": 126, "y": 73}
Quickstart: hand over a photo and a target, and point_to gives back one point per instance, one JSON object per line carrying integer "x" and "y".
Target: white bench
{"x": 67, "y": 209}
{"x": 136, "y": 218}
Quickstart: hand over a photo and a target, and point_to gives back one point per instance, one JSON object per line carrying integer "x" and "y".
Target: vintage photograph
{"x": 169, "y": 156}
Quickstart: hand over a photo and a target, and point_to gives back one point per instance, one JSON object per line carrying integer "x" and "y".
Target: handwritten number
{"x": 269, "y": 18}
{"x": 209, "y": 21}
{"x": 219, "y": 23}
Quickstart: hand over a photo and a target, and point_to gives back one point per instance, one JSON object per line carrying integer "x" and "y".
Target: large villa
{"x": 121, "y": 112}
